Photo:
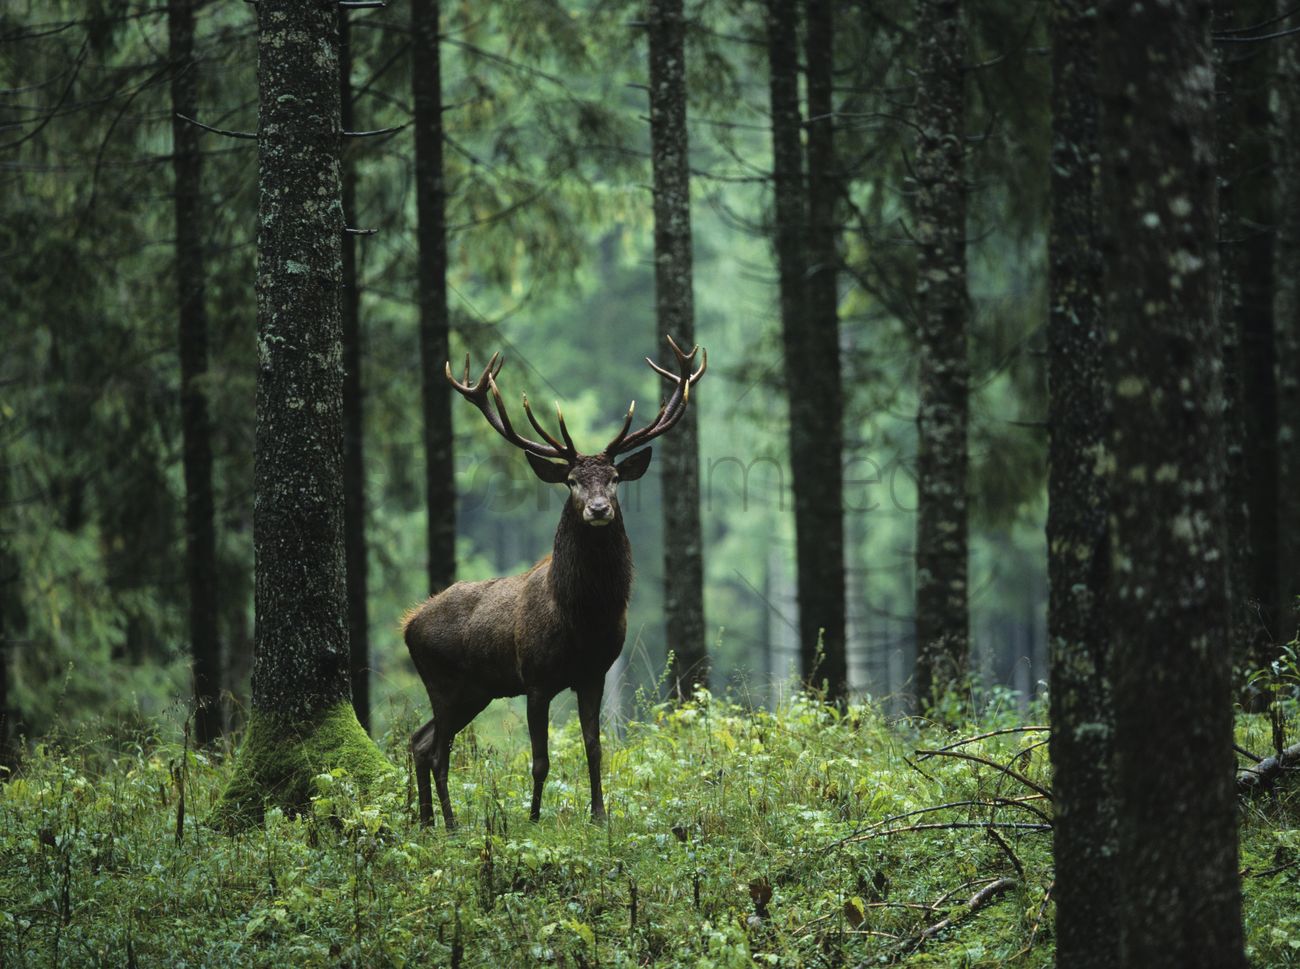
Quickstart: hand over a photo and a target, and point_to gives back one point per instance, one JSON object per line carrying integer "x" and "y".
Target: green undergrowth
{"x": 805, "y": 837}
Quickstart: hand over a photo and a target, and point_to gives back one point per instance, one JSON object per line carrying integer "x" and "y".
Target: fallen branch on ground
{"x": 979, "y": 900}
{"x": 1262, "y": 777}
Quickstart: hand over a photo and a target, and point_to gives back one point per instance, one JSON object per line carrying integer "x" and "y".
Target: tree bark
{"x": 942, "y": 620}
{"x": 1287, "y": 320}
{"x": 354, "y": 474}
{"x": 302, "y": 720}
{"x": 1078, "y": 555}
{"x": 821, "y": 425}
{"x": 196, "y": 426}
{"x": 13, "y": 621}
{"x": 819, "y": 549}
{"x": 1245, "y": 624}
{"x": 679, "y": 452}
{"x": 1168, "y": 606}
{"x": 435, "y": 327}
{"x": 1253, "y": 238}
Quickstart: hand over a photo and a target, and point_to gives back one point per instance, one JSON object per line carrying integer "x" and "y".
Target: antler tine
{"x": 477, "y": 394}
{"x": 500, "y": 406}
{"x": 567, "y": 448}
{"x": 564, "y": 431}
{"x": 622, "y": 432}
{"x": 682, "y": 357}
{"x": 671, "y": 410}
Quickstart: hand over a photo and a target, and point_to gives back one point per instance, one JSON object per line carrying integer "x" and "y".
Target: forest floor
{"x": 803, "y": 837}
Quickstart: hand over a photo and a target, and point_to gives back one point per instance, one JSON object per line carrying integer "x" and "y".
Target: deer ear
{"x": 548, "y": 471}
{"x": 633, "y": 466}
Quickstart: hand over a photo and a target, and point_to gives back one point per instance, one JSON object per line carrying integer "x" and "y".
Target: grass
{"x": 735, "y": 838}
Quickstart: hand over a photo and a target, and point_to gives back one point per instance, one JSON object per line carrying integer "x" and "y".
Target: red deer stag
{"x": 558, "y": 626}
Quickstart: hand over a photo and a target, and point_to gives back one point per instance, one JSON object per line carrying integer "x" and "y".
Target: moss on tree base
{"x": 279, "y": 758}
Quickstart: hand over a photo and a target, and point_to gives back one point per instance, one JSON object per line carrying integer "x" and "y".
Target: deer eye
{"x": 571, "y": 481}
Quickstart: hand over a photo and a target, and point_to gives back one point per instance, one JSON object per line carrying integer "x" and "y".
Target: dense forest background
{"x": 1002, "y": 327}
{"x": 550, "y": 260}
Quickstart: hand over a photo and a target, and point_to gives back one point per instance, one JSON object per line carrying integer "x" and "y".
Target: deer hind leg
{"x": 422, "y": 755}
{"x": 451, "y": 722}
{"x": 539, "y": 721}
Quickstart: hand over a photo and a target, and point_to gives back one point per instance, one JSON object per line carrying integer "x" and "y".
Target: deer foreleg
{"x": 589, "y": 715}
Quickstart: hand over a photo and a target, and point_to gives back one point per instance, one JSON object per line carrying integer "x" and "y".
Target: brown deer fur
{"x": 558, "y": 626}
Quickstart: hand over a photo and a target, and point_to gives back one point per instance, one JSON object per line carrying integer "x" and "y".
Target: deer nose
{"x": 598, "y": 510}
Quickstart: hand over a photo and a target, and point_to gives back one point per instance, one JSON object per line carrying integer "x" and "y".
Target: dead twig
{"x": 1013, "y": 774}
{"x": 1036, "y": 728}
{"x": 953, "y": 826}
{"x": 981, "y": 899}
{"x": 1007, "y": 850}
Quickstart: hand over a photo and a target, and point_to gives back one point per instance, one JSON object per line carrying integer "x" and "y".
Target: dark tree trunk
{"x": 942, "y": 621}
{"x": 1245, "y": 624}
{"x": 810, "y": 377}
{"x": 820, "y": 424}
{"x": 354, "y": 475}
{"x": 675, "y": 311}
{"x": 1286, "y": 156}
{"x": 1168, "y": 605}
{"x": 435, "y": 327}
{"x": 1253, "y": 238}
{"x": 302, "y": 720}
{"x": 1078, "y": 557}
{"x": 12, "y": 623}
{"x": 196, "y": 427}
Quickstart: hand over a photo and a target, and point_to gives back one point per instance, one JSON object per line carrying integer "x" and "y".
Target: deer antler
{"x": 477, "y": 394}
{"x": 671, "y": 410}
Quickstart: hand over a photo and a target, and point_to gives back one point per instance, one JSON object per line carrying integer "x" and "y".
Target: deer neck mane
{"x": 591, "y": 567}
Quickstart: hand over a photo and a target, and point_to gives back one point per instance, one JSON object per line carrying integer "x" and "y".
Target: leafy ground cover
{"x": 804, "y": 837}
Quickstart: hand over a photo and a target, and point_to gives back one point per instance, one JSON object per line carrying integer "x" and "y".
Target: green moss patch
{"x": 279, "y": 758}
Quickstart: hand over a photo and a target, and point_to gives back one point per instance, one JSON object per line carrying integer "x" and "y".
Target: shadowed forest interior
{"x": 973, "y": 332}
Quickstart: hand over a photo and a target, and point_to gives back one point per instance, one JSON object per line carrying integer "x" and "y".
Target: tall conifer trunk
{"x": 435, "y": 326}
{"x": 816, "y": 373}
{"x": 302, "y": 720}
{"x": 196, "y": 426}
{"x": 1168, "y": 599}
{"x": 675, "y": 312}
{"x": 354, "y": 474}
{"x": 1250, "y": 69}
{"x": 1078, "y": 556}
{"x": 811, "y": 374}
{"x": 1286, "y": 154}
{"x": 942, "y": 619}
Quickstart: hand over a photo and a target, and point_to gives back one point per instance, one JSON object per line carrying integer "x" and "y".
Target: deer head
{"x": 592, "y": 479}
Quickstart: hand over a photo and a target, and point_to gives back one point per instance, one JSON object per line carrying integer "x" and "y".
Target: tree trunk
{"x": 815, "y": 476}
{"x": 1245, "y": 624}
{"x": 820, "y": 425}
{"x": 1078, "y": 557}
{"x": 435, "y": 327}
{"x": 675, "y": 311}
{"x": 1286, "y": 156}
{"x": 302, "y": 719}
{"x": 354, "y": 474}
{"x": 1168, "y": 605}
{"x": 196, "y": 427}
{"x": 942, "y": 621}
{"x": 13, "y": 621}
{"x": 1253, "y": 237}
